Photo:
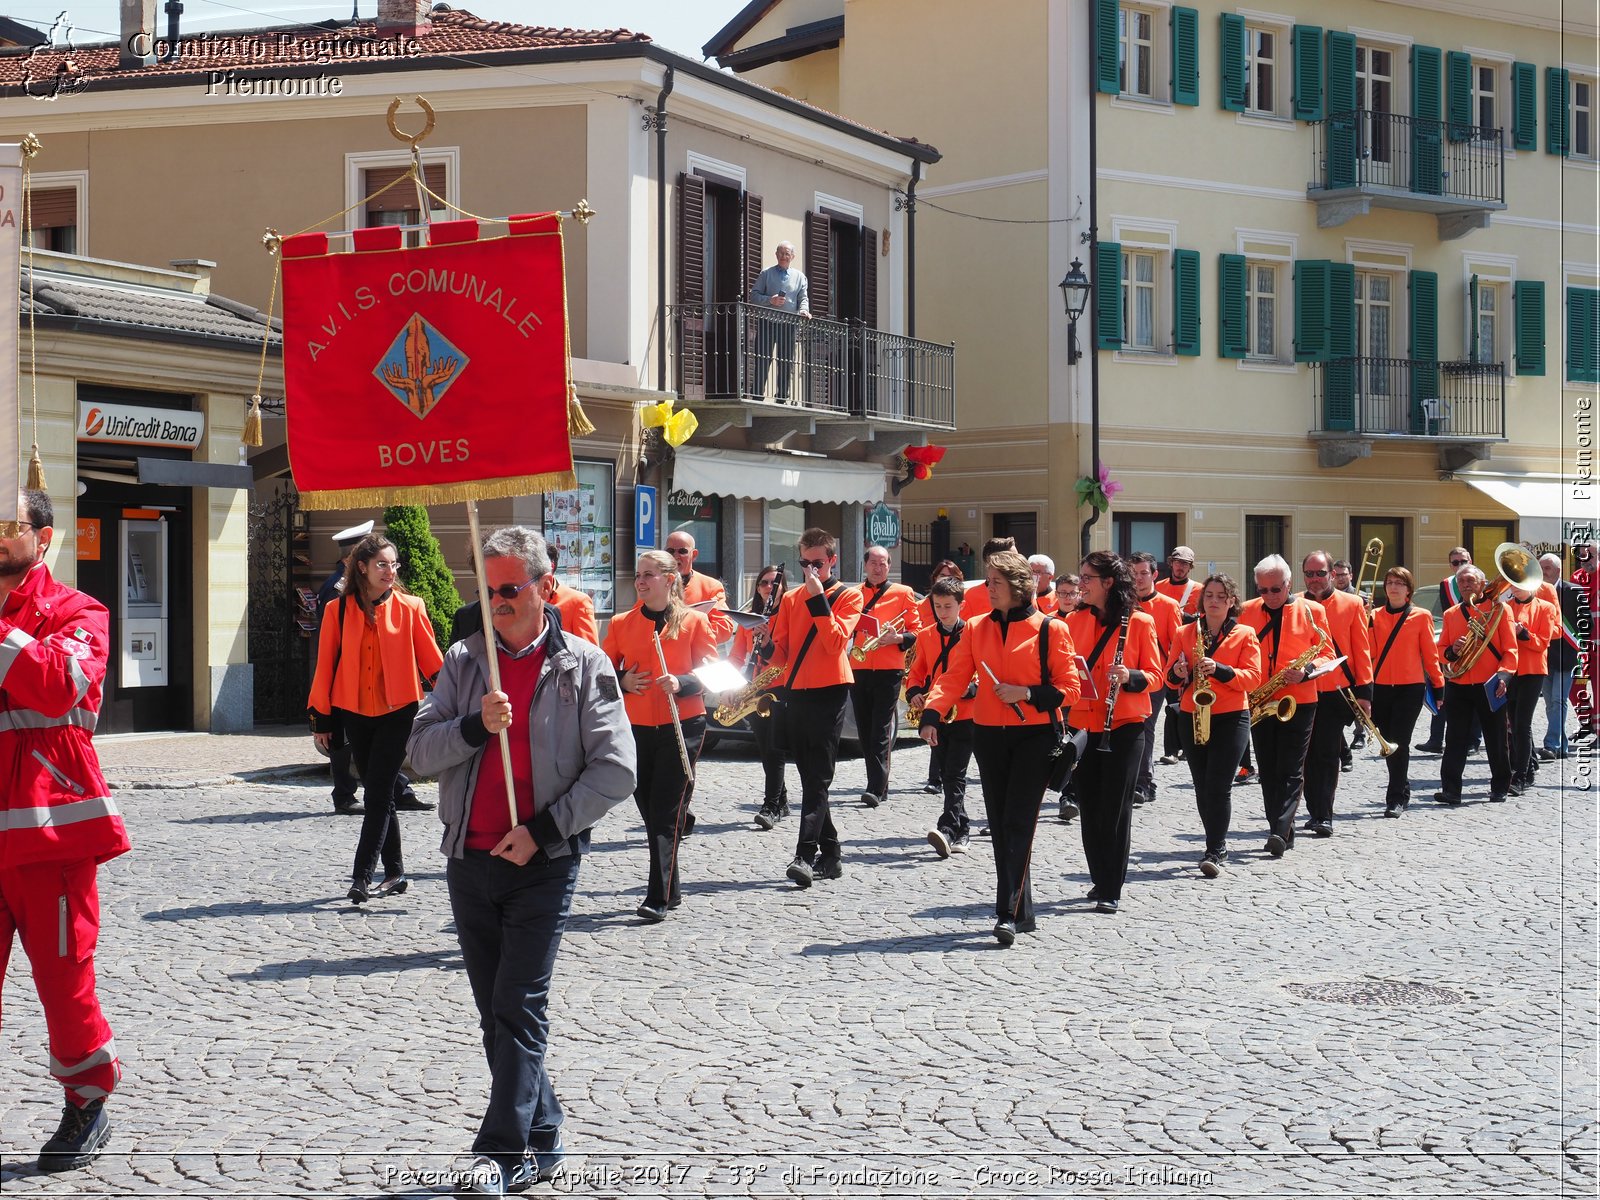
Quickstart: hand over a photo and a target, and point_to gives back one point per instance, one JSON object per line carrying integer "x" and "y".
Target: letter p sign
{"x": 644, "y": 517}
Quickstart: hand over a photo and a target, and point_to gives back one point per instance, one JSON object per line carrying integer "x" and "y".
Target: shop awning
{"x": 1540, "y": 501}
{"x": 713, "y": 472}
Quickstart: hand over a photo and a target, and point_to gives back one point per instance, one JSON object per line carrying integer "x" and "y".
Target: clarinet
{"x": 1113, "y": 688}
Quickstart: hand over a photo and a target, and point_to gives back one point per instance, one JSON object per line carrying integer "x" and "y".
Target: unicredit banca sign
{"x": 131, "y": 426}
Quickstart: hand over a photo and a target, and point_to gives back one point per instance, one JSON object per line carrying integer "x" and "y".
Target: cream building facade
{"x": 1343, "y": 262}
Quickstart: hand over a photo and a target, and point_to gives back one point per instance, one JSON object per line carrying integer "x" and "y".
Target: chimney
{"x": 138, "y": 46}
{"x": 200, "y": 268}
{"x": 402, "y": 18}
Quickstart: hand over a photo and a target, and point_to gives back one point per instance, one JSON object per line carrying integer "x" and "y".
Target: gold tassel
{"x": 35, "y": 471}
{"x": 252, "y": 423}
{"x": 578, "y": 423}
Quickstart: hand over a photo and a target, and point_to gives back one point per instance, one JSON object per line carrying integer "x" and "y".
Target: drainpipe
{"x": 661, "y": 229}
{"x": 1094, "y": 240}
{"x": 911, "y": 249}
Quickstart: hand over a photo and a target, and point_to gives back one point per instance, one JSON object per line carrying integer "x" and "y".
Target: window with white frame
{"x": 1261, "y": 62}
{"x": 1261, "y": 307}
{"x": 1140, "y": 300}
{"x": 1136, "y": 51}
{"x": 1583, "y": 133}
{"x": 1375, "y": 325}
{"x": 1486, "y": 97}
{"x": 1487, "y": 323}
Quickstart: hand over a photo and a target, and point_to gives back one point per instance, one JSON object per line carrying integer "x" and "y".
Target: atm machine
{"x": 142, "y": 592}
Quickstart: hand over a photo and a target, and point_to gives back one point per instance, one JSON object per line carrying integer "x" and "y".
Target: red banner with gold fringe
{"x": 427, "y": 375}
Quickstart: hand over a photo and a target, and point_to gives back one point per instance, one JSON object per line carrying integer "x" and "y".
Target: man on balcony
{"x": 780, "y": 288}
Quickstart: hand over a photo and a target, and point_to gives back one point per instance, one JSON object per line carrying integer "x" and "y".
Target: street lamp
{"x": 1075, "y": 293}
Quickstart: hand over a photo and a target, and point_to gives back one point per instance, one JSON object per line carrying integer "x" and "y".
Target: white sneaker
{"x": 940, "y": 842}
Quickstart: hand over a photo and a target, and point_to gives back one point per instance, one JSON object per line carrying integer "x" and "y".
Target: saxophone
{"x": 1261, "y": 702}
{"x": 752, "y": 698}
{"x": 1204, "y": 695}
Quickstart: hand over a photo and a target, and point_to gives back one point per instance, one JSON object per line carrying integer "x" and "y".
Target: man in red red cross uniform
{"x": 57, "y": 819}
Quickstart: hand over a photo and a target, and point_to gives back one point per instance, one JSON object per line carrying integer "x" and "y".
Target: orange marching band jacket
{"x": 1168, "y": 616}
{"x": 1008, "y": 645}
{"x": 890, "y": 601}
{"x": 1501, "y": 652}
{"x": 630, "y": 645}
{"x": 701, "y": 588}
{"x": 1540, "y": 623}
{"x": 1300, "y": 627}
{"x": 934, "y": 648}
{"x": 1347, "y": 623}
{"x": 833, "y": 615}
{"x": 1238, "y": 658}
{"x": 1414, "y": 656}
{"x": 1140, "y": 653}
{"x": 1185, "y": 594}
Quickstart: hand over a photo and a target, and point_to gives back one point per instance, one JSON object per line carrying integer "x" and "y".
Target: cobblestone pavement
{"x": 865, "y": 1037}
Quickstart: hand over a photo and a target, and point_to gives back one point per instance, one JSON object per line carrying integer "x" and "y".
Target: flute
{"x": 672, "y": 707}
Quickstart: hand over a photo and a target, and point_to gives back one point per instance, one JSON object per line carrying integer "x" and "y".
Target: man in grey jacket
{"x": 511, "y": 880}
{"x": 779, "y": 289}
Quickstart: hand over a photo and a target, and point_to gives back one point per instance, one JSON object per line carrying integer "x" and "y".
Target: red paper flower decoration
{"x": 920, "y": 461}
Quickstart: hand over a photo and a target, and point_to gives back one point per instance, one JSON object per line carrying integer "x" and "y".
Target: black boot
{"x": 83, "y": 1133}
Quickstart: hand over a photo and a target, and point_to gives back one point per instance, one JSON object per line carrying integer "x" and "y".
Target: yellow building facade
{"x": 1342, "y": 265}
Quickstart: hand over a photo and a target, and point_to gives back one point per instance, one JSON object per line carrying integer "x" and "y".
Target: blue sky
{"x": 682, "y": 25}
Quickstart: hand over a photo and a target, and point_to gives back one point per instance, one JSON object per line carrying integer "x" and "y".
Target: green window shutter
{"x": 1472, "y": 319}
{"x": 1423, "y": 295}
{"x": 1185, "y": 56}
{"x": 1427, "y": 161}
{"x": 1557, "y": 117}
{"x": 1343, "y": 122}
{"x": 1458, "y": 95}
{"x": 1524, "y": 106}
{"x": 1106, "y": 29}
{"x": 1232, "y": 71}
{"x": 1186, "y": 302}
{"x": 1583, "y": 335}
{"x": 1108, "y": 295}
{"x": 1307, "y": 43}
{"x": 1233, "y": 318}
{"x": 1311, "y": 309}
{"x": 1339, "y": 375}
{"x": 1528, "y": 302}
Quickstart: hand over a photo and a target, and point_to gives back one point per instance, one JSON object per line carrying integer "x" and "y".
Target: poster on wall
{"x": 578, "y": 523}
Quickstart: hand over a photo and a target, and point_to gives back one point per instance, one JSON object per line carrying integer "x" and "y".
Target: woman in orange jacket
{"x": 1538, "y": 623}
{"x": 686, "y": 642}
{"x": 1014, "y": 717}
{"x": 376, "y": 648}
{"x": 1226, "y": 655}
{"x": 747, "y": 644}
{"x": 1119, "y": 644}
{"x": 1405, "y": 660}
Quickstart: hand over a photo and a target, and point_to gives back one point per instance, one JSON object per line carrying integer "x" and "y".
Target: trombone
{"x": 1370, "y": 559}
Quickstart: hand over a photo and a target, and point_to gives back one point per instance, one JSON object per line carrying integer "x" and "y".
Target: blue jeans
{"x": 1557, "y": 686}
{"x": 509, "y": 921}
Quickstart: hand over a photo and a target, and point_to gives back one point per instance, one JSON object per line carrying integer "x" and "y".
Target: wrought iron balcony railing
{"x": 1436, "y": 162}
{"x": 1445, "y": 401}
{"x": 741, "y": 351}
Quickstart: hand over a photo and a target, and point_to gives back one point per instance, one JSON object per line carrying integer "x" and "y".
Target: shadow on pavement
{"x": 251, "y": 818}
{"x": 309, "y": 968}
{"x": 976, "y": 939}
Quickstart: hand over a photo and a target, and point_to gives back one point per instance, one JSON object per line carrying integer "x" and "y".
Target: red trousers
{"x": 55, "y": 908}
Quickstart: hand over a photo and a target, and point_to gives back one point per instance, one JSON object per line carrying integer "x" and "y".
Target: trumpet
{"x": 1385, "y": 747}
{"x": 752, "y": 698}
{"x": 1261, "y": 702}
{"x": 891, "y": 628}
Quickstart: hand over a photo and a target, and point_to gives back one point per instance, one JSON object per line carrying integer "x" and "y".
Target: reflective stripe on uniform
{"x": 13, "y": 644}
{"x": 55, "y": 815}
{"x": 28, "y": 718}
{"x": 80, "y": 681}
{"x": 106, "y": 1054}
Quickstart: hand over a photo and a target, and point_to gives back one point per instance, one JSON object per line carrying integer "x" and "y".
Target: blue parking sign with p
{"x": 644, "y": 516}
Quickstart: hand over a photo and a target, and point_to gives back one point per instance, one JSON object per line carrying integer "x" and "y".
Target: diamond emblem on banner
{"x": 420, "y": 366}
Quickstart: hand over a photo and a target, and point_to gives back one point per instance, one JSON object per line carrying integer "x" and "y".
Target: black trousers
{"x": 813, "y": 722}
{"x": 1213, "y": 767}
{"x": 509, "y": 921}
{"x": 1147, "y": 780}
{"x": 1013, "y": 769}
{"x": 1281, "y": 761}
{"x": 1464, "y": 705}
{"x": 342, "y": 767}
{"x": 875, "y": 696}
{"x": 661, "y": 792}
{"x": 770, "y": 747}
{"x": 1395, "y": 708}
{"x": 1171, "y": 742}
{"x": 1526, "y": 692}
{"x": 1436, "y": 727}
{"x": 1324, "y": 753}
{"x": 955, "y": 739}
{"x": 378, "y": 745}
{"x": 1105, "y": 782}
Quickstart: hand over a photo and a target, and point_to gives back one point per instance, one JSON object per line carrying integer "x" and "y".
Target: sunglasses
{"x": 1458, "y": 562}
{"x": 510, "y": 591}
{"x": 820, "y": 564}
{"x": 680, "y": 552}
{"x": 1316, "y": 574}
{"x": 1272, "y": 591}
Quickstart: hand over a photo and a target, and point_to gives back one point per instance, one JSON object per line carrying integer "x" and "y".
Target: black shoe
{"x": 650, "y": 912}
{"x": 829, "y": 868}
{"x": 768, "y": 816}
{"x": 1499, "y": 797}
{"x": 348, "y": 808}
{"x": 1066, "y": 809}
{"x": 1347, "y": 764}
{"x": 395, "y": 885}
{"x": 1144, "y": 797}
{"x": 984, "y": 832}
{"x": 932, "y": 789}
{"x": 688, "y": 821}
{"x": 1310, "y": 826}
{"x": 82, "y": 1134}
{"x": 800, "y": 871}
{"x": 1323, "y": 829}
{"x": 1105, "y": 906}
{"x": 1392, "y": 810}
{"x": 871, "y": 800}
{"x": 1545, "y": 755}
{"x": 1276, "y": 845}
{"x": 1245, "y": 775}
{"x": 1429, "y": 748}
{"x": 1450, "y": 798}
{"x": 1005, "y": 932}
{"x": 940, "y": 841}
{"x": 1518, "y": 787}
{"x": 1092, "y": 894}
{"x": 1211, "y": 866}
{"x": 411, "y": 802}
{"x": 360, "y": 891}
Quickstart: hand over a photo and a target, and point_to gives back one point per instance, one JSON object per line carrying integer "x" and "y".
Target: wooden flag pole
{"x": 493, "y": 652}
